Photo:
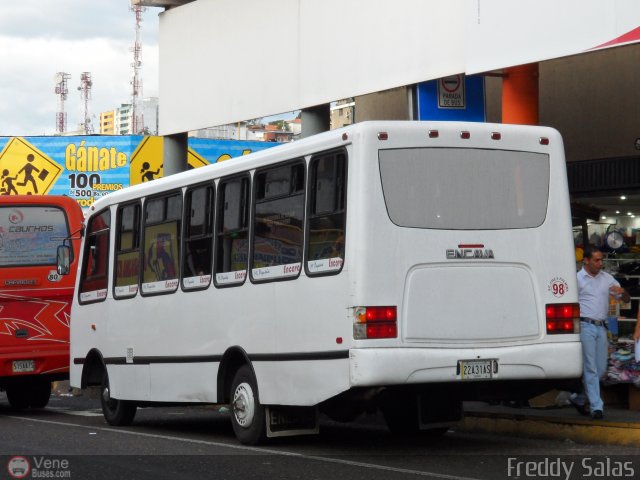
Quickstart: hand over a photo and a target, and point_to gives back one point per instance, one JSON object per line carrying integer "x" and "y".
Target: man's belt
{"x": 597, "y": 323}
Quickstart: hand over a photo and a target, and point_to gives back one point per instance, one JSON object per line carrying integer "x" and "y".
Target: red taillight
{"x": 375, "y": 322}
{"x": 544, "y": 141}
{"x": 382, "y": 330}
{"x": 563, "y": 318}
{"x": 380, "y": 314}
{"x": 465, "y": 135}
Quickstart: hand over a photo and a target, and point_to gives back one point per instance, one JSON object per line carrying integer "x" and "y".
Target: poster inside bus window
{"x": 30, "y": 235}
{"x": 161, "y": 258}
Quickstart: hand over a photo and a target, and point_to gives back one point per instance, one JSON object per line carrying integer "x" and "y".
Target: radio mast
{"x": 85, "y": 95}
{"x": 137, "y": 118}
{"x": 62, "y": 91}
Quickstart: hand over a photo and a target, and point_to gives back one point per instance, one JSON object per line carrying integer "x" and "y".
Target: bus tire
{"x": 247, "y": 414}
{"x": 116, "y": 412}
{"x": 39, "y": 393}
{"x": 17, "y": 396}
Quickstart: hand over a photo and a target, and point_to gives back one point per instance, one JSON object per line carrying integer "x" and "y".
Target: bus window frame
{"x": 144, "y": 225}
{"x": 210, "y": 219}
{"x": 312, "y": 195}
{"x": 116, "y": 249}
{"x": 87, "y": 247}
{"x": 218, "y": 218}
{"x": 252, "y": 218}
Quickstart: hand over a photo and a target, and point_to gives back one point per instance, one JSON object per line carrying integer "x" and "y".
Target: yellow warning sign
{"x": 195, "y": 160}
{"x": 146, "y": 161}
{"x": 25, "y": 170}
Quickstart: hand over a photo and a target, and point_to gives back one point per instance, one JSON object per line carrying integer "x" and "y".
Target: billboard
{"x": 88, "y": 167}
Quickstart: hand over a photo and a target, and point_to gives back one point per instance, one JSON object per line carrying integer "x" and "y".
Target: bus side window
{"x": 95, "y": 268}
{"x": 161, "y": 248}
{"x": 278, "y": 222}
{"x": 198, "y": 241}
{"x": 127, "y": 251}
{"x": 232, "y": 231}
{"x": 326, "y": 218}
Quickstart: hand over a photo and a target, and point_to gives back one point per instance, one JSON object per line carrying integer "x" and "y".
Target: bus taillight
{"x": 375, "y": 322}
{"x": 563, "y": 318}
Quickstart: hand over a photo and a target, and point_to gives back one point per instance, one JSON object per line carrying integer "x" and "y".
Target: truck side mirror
{"x": 64, "y": 259}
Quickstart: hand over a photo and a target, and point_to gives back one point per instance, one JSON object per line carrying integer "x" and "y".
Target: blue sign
{"x": 453, "y": 98}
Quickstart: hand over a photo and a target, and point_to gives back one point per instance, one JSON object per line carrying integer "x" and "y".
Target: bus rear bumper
{"x": 413, "y": 365}
{"x": 46, "y": 362}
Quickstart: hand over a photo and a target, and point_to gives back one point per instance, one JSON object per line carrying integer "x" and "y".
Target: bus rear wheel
{"x": 116, "y": 412}
{"x": 247, "y": 414}
{"x": 32, "y": 393}
{"x": 39, "y": 394}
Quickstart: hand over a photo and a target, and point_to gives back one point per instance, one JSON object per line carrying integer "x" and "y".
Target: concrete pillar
{"x": 520, "y": 95}
{"x": 175, "y": 153}
{"x": 315, "y": 120}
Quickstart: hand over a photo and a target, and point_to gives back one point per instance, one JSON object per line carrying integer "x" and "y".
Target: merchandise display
{"x": 623, "y": 366}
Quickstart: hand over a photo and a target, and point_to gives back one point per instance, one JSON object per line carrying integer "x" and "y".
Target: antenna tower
{"x": 62, "y": 91}
{"x": 137, "y": 118}
{"x": 85, "y": 95}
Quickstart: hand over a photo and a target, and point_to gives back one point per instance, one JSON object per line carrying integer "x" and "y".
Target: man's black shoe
{"x": 597, "y": 414}
{"x": 581, "y": 408}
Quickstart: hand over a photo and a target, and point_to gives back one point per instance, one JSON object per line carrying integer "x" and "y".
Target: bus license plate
{"x": 24, "y": 366}
{"x": 475, "y": 369}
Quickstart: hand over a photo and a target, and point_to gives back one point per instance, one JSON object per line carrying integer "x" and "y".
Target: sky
{"x": 39, "y": 38}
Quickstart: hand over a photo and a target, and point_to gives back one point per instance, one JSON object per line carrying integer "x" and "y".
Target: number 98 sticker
{"x": 558, "y": 287}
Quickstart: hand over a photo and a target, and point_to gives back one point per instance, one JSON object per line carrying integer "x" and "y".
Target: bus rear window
{"x": 465, "y": 188}
{"x": 29, "y": 236}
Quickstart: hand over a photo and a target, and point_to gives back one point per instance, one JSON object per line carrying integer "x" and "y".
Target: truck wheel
{"x": 247, "y": 414}
{"x": 116, "y": 412}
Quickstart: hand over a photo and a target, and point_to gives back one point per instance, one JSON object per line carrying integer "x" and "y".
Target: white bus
{"x": 404, "y": 266}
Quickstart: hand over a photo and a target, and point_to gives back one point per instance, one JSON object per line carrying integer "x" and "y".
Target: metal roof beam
{"x": 160, "y": 3}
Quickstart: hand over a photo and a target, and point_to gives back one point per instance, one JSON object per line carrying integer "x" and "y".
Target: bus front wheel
{"x": 116, "y": 412}
{"x": 247, "y": 414}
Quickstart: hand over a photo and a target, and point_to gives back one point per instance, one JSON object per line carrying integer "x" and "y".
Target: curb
{"x": 579, "y": 430}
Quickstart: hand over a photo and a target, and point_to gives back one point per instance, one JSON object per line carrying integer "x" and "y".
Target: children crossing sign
{"x": 25, "y": 170}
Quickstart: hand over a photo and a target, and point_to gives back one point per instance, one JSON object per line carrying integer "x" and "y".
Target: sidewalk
{"x": 620, "y": 426}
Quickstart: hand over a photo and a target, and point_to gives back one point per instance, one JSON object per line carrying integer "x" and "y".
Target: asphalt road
{"x": 70, "y": 439}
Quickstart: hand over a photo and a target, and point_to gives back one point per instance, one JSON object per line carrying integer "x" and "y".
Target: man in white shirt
{"x": 594, "y": 289}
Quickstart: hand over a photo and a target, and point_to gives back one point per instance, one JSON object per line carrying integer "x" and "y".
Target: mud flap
{"x": 285, "y": 420}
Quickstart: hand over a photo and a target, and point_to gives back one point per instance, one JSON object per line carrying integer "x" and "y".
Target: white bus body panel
{"x": 448, "y": 310}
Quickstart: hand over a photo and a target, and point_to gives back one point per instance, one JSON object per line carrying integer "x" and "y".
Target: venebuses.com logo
{"x": 38, "y": 467}
{"x": 18, "y": 467}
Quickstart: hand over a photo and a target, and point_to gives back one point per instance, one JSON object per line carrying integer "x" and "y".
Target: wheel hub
{"x": 243, "y": 405}
{"x": 105, "y": 394}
